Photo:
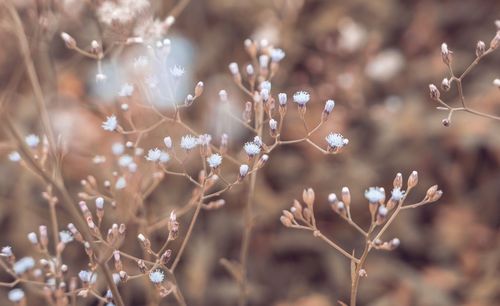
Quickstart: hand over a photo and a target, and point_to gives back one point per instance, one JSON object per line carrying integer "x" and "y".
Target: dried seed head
{"x": 413, "y": 179}
{"x": 445, "y": 84}
{"x": 480, "y": 48}
{"x": 346, "y": 196}
{"x": 445, "y": 54}
{"x": 434, "y": 92}
{"x": 308, "y": 196}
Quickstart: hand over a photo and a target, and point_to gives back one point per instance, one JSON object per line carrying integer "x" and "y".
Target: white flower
{"x": 65, "y": 237}
{"x": 244, "y": 170}
{"x": 164, "y": 157}
{"x": 177, "y": 71}
{"x": 100, "y": 77}
{"x": 282, "y": 98}
{"x": 117, "y": 148}
{"x": 127, "y": 90}
{"x": 277, "y": 55}
{"x": 120, "y": 183}
{"x": 223, "y": 95}
{"x": 251, "y": 149}
{"x": 214, "y": 160}
{"x": 273, "y": 124}
{"x": 258, "y": 141}
{"x": 375, "y": 194}
{"x": 250, "y": 70}
{"x": 382, "y": 211}
{"x": 336, "y": 140}
{"x": 233, "y": 68}
{"x": 87, "y": 276}
{"x": 263, "y": 60}
{"x": 125, "y": 160}
{"x": 116, "y": 278}
{"x": 153, "y": 155}
{"x": 266, "y": 85}
{"x": 264, "y": 93}
{"x": 98, "y": 159}
{"x": 32, "y": 140}
{"x": 204, "y": 139}
{"x": 22, "y": 265}
{"x": 157, "y": 276}
{"x": 33, "y": 238}
{"x": 14, "y": 156}
{"x": 301, "y": 98}
{"x": 397, "y": 194}
{"x": 110, "y": 124}
{"x": 132, "y": 167}
{"x": 16, "y": 295}
{"x": 99, "y": 203}
{"x": 188, "y": 142}
{"x": 496, "y": 82}
{"x": 329, "y": 105}
{"x": 168, "y": 142}
{"x": 6, "y": 251}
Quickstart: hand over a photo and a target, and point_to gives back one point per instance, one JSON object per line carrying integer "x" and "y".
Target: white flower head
{"x": 244, "y": 170}
{"x": 397, "y": 194}
{"x": 126, "y": 90}
{"x": 264, "y": 60}
{"x": 121, "y": 183}
{"x": 266, "y": 85}
{"x": 382, "y": 211}
{"x": 234, "y": 69}
{"x": 153, "y": 155}
{"x": 87, "y": 276}
{"x": 273, "y": 124}
{"x": 375, "y": 194}
{"x": 98, "y": 159}
{"x": 301, "y": 98}
{"x": 65, "y": 237}
{"x": 125, "y": 160}
{"x": 32, "y": 140}
{"x": 14, "y": 156}
{"x": 251, "y": 149}
{"x": 177, "y": 71}
{"x": 214, "y": 160}
{"x": 188, "y": 142}
{"x": 277, "y": 55}
{"x": 6, "y": 251}
{"x": 157, "y": 276}
{"x": 223, "y": 95}
{"x": 22, "y": 265}
{"x": 16, "y": 295}
{"x": 117, "y": 148}
{"x": 336, "y": 141}
{"x": 100, "y": 77}
{"x": 329, "y": 105}
{"x": 204, "y": 139}
{"x": 33, "y": 238}
{"x": 258, "y": 141}
{"x": 168, "y": 142}
{"x": 110, "y": 124}
{"x": 282, "y": 98}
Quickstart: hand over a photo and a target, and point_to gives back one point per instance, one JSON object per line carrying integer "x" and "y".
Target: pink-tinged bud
{"x": 445, "y": 54}
{"x": 445, "y": 84}
{"x": 68, "y": 40}
{"x": 413, "y": 179}
{"x": 198, "y": 90}
{"x": 480, "y": 48}
{"x": 434, "y": 92}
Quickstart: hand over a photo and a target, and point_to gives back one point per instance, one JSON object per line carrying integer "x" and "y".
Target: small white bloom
{"x": 244, "y": 170}
{"x": 110, "y": 124}
{"x": 116, "y": 278}
{"x": 65, "y": 237}
{"x": 124, "y": 107}
{"x": 85, "y": 276}
{"x": 273, "y": 124}
{"x": 141, "y": 237}
{"x": 382, "y": 211}
{"x": 126, "y": 90}
{"x": 157, "y": 276}
{"x": 14, "y": 156}
{"x": 266, "y": 85}
{"x": 188, "y": 142}
{"x": 169, "y": 21}
{"x": 98, "y": 159}
{"x": 301, "y": 98}
{"x": 22, "y": 265}
{"x": 132, "y": 167}
{"x": 223, "y": 95}
{"x": 496, "y": 82}
{"x": 168, "y": 142}
{"x": 329, "y": 105}
{"x": 263, "y": 60}
{"x": 138, "y": 151}
{"x": 99, "y": 203}
{"x": 33, "y": 238}
{"x": 375, "y": 194}
{"x": 214, "y": 160}
{"x": 16, "y": 295}
{"x": 125, "y": 160}
{"x": 6, "y": 251}
{"x": 120, "y": 183}
{"x": 177, "y": 71}
{"x": 332, "y": 198}
{"x": 153, "y": 155}
{"x": 444, "y": 49}
{"x": 233, "y": 68}
{"x": 336, "y": 140}
{"x": 164, "y": 157}
{"x": 264, "y": 93}
{"x": 397, "y": 194}
{"x": 251, "y": 149}
{"x": 250, "y": 70}
{"x": 277, "y": 55}
{"x": 117, "y": 148}
{"x": 32, "y": 140}
{"x": 282, "y": 98}
{"x": 258, "y": 141}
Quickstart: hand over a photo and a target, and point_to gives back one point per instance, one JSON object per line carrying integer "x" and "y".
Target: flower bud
{"x": 434, "y": 92}
{"x": 445, "y": 84}
{"x": 480, "y": 48}
{"x": 68, "y": 40}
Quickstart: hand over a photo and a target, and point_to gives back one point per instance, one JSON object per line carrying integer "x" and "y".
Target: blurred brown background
{"x": 375, "y": 59}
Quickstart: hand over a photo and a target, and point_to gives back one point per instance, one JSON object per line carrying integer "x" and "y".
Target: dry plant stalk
{"x": 447, "y": 83}
{"x": 382, "y": 211}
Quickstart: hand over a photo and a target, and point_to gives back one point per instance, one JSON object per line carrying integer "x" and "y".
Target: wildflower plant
{"x": 383, "y": 211}
{"x": 482, "y": 50}
{"x": 109, "y": 210}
